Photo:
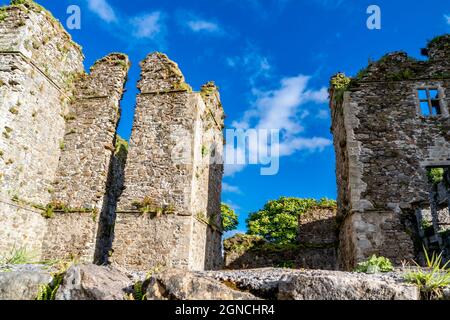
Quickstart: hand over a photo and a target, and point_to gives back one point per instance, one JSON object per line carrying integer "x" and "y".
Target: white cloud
{"x": 103, "y": 10}
{"x": 204, "y": 26}
{"x": 230, "y": 189}
{"x": 447, "y": 18}
{"x": 281, "y": 109}
{"x": 147, "y": 26}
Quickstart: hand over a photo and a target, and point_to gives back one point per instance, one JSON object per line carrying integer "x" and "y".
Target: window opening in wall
{"x": 434, "y": 218}
{"x": 430, "y": 102}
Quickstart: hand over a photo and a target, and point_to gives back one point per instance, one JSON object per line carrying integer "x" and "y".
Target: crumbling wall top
{"x": 106, "y": 77}
{"x": 439, "y": 48}
{"x": 23, "y": 8}
{"x": 211, "y": 96}
{"x": 160, "y": 74}
{"x": 29, "y": 30}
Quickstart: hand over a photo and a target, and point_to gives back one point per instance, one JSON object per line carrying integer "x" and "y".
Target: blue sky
{"x": 272, "y": 60}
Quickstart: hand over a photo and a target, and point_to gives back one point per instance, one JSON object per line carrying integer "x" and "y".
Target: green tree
{"x": 229, "y": 218}
{"x": 277, "y": 222}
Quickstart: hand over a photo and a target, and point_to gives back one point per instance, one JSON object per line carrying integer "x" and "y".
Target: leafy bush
{"x": 241, "y": 242}
{"x": 433, "y": 279}
{"x": 277, "y": 222}
{"x": 374, "y": 265}
{"x": 229, "y": 218}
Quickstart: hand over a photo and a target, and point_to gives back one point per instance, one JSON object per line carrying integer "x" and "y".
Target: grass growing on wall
{"x": 433, "y": 279}
{"x": 18, "y": 256}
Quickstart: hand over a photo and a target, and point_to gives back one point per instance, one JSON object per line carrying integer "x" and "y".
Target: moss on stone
{"x": 14, "y": 110}
{"x": 441, "y": 41}
{"x": 121, "y": 148}
{"x": 115, "y": 58}
{"x": 3, "y": 13}
{"x": 182, "y": 86}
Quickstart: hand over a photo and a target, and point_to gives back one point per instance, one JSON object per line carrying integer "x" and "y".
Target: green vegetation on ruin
{"x": 433, "y": 279}
{"x": 49, "y": 210}
{"x": 18, "y": 256}
{"x": 277, "y": 222}
{"x": 121, "y": 146}
{"x": 115, "y": 58}
{"x": 442, "y": 41}
{"x": 182, "y": 86}
{"x": 427, "y": 226}
{"x": 435, "y": 175}
{"x": 3, "y": 14}
{"x": 241, "y": 243}
{"x": 209, "y": 220}
{"x": 148, "y": 206}
{"x": 340, "y": 83}
{"x": 48, "y": 291}
{"x": 205, "y": 151}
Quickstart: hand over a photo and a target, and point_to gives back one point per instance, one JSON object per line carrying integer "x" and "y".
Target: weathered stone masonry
{"x": 168, "y": 170}
{"x": 384, "y": 146}
{"x": 57, "y": 150}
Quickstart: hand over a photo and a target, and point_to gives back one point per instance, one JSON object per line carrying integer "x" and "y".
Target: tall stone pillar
{"x": 171, "y": 200}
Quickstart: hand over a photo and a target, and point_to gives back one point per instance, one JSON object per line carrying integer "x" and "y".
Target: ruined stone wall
{"x": 318, "y": 226}
{"x": 388, "y": 145}
{"x": 37, "y": 61}
{"x": 84, "y": 165}
{"x": 70, "y": 235}
{"x": 168, "y": 176}
{"x": 21, "y": 227}
{"x": 37, "y": 58}
{"x": 88, "y": 143}
{"x": 142, "y": 242}
{"x": 58, "y": 157}
{"x": 250, "y": 252}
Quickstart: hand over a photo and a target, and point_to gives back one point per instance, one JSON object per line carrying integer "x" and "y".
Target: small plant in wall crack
{"x": 435, "y": 175}
{"x": 48, "y": 291}
{"x": 148, "y": 207}
{"x": 432, "y": 280}
{"x": 18, "y": 256}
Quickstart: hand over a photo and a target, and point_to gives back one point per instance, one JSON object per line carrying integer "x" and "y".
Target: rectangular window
{"x": 430, "y": 104}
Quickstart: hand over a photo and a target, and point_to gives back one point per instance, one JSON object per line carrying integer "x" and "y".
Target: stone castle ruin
{"x": 391, "y": 132}
{"x": 68, "y": 184}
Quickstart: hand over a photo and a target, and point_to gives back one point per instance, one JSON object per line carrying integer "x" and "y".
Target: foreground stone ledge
{"x": 92, "y": 282}
{"x": 22, "y": 282}
{"x": 285, "y": 284}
